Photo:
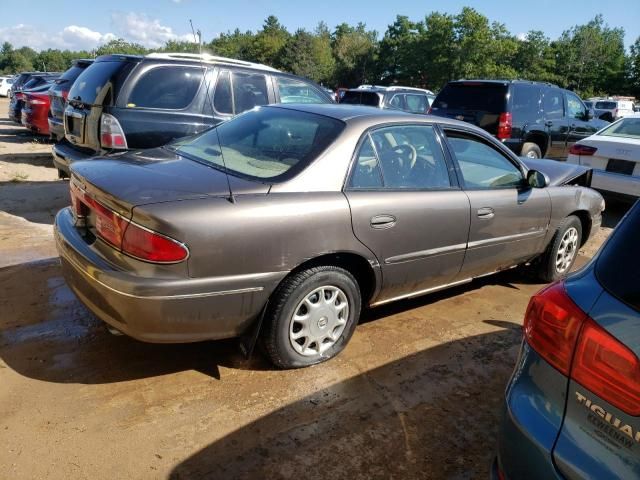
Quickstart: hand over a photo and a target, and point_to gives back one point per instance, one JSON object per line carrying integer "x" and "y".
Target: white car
{"x": 614, "y": 108}
{"x": 614, "y": 155}
{"x": 5, "y": 86}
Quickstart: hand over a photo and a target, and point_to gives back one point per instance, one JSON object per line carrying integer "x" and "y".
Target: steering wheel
{"x": 406, "y": 155}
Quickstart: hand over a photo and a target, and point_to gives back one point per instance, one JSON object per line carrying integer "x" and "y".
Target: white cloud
{"x": 131, "y": 26}
{"x": 72, "y": 37}
{"x": 142, "y": 29}
{"x": 521, "y": 36}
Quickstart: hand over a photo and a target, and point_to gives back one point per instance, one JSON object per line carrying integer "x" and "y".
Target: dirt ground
{"x": 416, "y": 394}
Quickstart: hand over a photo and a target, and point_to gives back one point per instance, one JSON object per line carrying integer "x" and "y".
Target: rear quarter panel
{"x": 258, "y": 233}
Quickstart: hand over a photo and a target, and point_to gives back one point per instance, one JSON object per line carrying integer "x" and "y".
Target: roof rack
{"x": 398, "y": 87}
{"x": 392, "y": 88}
{"x": 212, "y": 59}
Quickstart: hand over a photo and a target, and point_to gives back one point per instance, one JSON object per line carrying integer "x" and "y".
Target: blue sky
{"x": 85, "y": 24}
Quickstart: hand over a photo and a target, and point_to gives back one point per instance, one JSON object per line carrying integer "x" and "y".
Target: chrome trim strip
{"x": 78, "y": 268}
{"x": 405, "y": 257}
{"x": 421, "y": 292}
{"x": 507, "y": 238}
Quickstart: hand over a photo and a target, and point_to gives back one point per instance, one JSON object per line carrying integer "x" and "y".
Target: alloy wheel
{"x": 567, "y": 250}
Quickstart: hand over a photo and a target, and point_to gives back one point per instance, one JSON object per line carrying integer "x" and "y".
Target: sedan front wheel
{"x": 311, "y": 317}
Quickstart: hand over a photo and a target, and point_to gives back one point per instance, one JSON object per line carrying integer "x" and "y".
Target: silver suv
{"x": 408, "y": 99}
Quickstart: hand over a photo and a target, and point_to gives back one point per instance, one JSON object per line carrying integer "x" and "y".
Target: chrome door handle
{"x": 486, "y": 212}
{"x": 383, "y": 221}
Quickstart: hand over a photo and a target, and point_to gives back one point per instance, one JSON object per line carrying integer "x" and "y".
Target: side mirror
{"x": 590, "y": 114}
{"x": 537, "y": 179}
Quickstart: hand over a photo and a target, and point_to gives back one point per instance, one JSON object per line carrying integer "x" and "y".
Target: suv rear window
{"x": 485, "y": 97}
{"x": 616, "y": 269}
{"x": 68, "y": 77}
{"x": 169, "y": 88}
{"x": 360, "y": 98}
{"x": 606, "y": 105}
{"x": 95, "y": 78}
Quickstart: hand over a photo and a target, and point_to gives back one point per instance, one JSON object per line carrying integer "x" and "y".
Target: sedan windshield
{"x": 628, "y": 127}
{"x": 264, "y": 143}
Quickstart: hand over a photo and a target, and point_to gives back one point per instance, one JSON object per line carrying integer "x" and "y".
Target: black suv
{"x": 132, "y": 102}
{"x": 533, "y": 119}
{"x": 408, "y": 99}
{"x": 58, "y": 98}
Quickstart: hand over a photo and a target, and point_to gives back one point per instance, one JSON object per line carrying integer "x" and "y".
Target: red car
{"x": 35, "y": 112}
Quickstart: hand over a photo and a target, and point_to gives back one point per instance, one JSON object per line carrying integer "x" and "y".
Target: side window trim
{"x": 214, "y": 88}
{"x": 455, "y": 178}
{"x": 479, "y": 138}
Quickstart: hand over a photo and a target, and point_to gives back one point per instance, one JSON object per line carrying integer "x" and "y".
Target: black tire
{"x": 289, "y": 295}
{"x": 548, "y": 270}
{"x": 531, "y": 150}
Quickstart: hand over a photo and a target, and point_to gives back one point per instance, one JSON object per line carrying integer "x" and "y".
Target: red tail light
{"x": 111, "y": 133}
{"x": 552, "y": 324}
{"x": 429, "y": 111}
{"x": 607, "y": 368}
{"x": 584, "y": 150}
{"x": 151, "y": 246}
{"x": 504, "y": 126}
{"x": 124, "y": 235}
{"x": 561, "y": 333}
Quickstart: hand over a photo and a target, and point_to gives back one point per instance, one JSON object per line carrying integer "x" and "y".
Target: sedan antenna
{"x": 198, "y": 40}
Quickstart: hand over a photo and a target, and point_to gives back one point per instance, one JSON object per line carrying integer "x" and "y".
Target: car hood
{"x": 560, "y": 173}
{"x": 123, "y": 181}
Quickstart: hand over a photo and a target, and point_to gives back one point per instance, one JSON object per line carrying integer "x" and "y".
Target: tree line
{"x": 590, "y": 59}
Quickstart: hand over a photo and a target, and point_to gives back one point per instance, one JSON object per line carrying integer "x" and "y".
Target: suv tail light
{"x": 504, "y": 126}
{"x": 561, "y": 333}
{"x": 131, "y": 239}
{"x": 111, "y": 133}
{"x": 552, "y": 324}
{"x": 607, "y": 368}
{"x": 584, "y": 150}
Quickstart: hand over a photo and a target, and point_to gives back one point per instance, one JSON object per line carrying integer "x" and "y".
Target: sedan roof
{"x": 350, "y": 113}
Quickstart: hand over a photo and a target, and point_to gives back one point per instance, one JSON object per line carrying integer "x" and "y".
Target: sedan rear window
{"x": 485, "y": 97}
{"x": 264, "y": 143}
{"x": 617, "y": 269}
{"x": 626, "y": 128}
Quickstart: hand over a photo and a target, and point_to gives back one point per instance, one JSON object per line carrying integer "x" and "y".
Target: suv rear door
{"x": 579, "y": 124}
{"x": 238, "y": 90}
{"x": 161, "y": 102}
{"x": 555, "y": 122}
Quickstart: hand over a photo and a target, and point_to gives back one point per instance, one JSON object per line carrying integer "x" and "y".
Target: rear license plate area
{"x": 624, "y": 167}
{"x": 74, "y": 126}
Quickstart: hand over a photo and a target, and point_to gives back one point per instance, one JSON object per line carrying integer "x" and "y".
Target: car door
{"x": 555, "y": 122}
{"x": 579, "y": 125}
{"x": 508, "y": 219}
{"x": 407, "y": 208}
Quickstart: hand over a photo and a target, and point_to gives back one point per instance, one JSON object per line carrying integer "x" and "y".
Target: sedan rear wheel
{"x": 311, "y": 317}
